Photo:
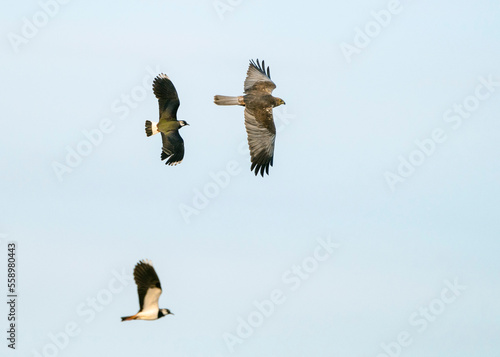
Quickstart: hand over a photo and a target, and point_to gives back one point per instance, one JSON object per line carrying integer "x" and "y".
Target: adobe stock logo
{"x": 292, "y": 278}
{"x": 454, "y": 117}
{"x": 88, "y": 310}
{"x": 423, "y": 318}
{"x": 363, "y": 37}
{"x": 223, "y": 6}
{"x": 93, "y": 138}
{"x": 218, "y": 181}
{"x": 31, "y": 27}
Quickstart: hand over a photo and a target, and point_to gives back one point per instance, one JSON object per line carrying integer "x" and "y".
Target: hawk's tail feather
{"x": 151, "y": 128}
{"x": 227, "y": 100}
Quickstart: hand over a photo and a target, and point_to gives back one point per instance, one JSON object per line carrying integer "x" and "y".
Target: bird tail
{"x": 129, "y": 318}
{"x": 151, "y": 128}
{"x": 226, "y": 100}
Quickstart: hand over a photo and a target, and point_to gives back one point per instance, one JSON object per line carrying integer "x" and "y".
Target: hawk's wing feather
{"x": 257, "y": 78}
{"x": 173, "y": 147}
{"x": 261, "y": 134}
{"x": 168, "y": 99}
{"x": 148, "y": 285}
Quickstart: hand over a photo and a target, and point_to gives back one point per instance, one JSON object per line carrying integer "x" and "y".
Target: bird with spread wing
{"x": 259, "y": 123}
{"x": 168, "y": 125}
{"x": 149, "y": 290}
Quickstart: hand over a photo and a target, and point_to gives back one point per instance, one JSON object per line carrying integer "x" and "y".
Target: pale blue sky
{"x": 349, "y": 125}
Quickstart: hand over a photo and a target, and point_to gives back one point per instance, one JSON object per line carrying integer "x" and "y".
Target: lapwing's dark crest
{"x": 168, "y": 125}
{"x": 149, "y": 290}
{"x": 259, "y": 123}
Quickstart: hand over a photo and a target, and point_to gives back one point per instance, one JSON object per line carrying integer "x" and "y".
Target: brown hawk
{"x": 259, "y": 123}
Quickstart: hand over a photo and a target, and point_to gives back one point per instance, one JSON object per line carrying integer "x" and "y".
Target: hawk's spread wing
{"x": 173, "y": 147}
{"x": 148, "y": 285}
{"x": 261, "y": 136}
{"x": 257, "y": 78}
{"x": 168, "y": 100}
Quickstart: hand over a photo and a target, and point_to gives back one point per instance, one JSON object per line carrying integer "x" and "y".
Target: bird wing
{"x": 261, "y": 134}
{"x": 257, "y": 78}
{"x": 148, "y": 285}
{"x": 168, "y": 99}
{"x": 173, "y": 147}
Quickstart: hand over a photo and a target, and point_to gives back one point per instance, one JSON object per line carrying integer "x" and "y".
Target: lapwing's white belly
{"x": 147, "y": 315}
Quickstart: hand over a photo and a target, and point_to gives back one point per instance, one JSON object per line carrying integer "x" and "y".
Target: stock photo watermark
{"x": 87, "y": 311}
{"x": 223, "y": 6}
{"x": 292, "y": 278}
{"x": 12, "y": 294}
{"x": 92, "y": 138}
{"x": 221, "y": 179}
{"x": 364, "y": 35}
{"x": 421, "y": 319}
{"x": 32, "y": 25}
{"x": 453, "y": 117}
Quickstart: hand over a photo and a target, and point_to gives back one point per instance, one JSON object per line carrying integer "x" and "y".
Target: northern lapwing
{"x": 149, "y": 290}
{"x": 259, "y": 123}
{"x": 168, "y": 125}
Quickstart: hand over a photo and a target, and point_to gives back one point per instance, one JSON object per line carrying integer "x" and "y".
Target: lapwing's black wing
{"x": 261, "y": 133}
{"x": 168, "y": 100}
{"x": 148, "y": 285}
{"x": 173, "y": 147}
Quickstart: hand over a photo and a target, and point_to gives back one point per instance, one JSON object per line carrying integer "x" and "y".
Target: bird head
{"x": 164, "y": 312}
{"x": 183, "y": 123}
{"x": 279, "y": 101}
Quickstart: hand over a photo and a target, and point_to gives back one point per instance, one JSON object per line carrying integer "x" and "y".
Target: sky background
{"x": 348, "y": 122}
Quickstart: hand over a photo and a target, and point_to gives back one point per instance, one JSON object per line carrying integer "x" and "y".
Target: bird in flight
{"x": 259, "y": 123}
{"x": 149, "y": 290}
{"x": 168, "y": 125}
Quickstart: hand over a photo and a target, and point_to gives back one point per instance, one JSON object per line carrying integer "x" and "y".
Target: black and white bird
{"x": 149, "y": 290}
{"x": 168, "y": 125}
